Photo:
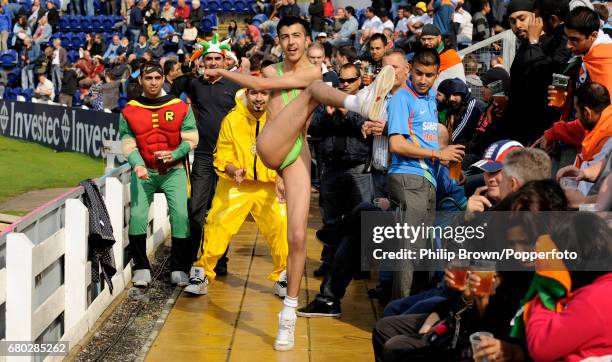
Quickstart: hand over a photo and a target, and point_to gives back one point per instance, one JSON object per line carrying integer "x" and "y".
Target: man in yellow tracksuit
{"x": 245, "y": 186}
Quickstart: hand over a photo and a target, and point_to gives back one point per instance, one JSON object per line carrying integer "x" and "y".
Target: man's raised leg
{"x": 280, "y": 133}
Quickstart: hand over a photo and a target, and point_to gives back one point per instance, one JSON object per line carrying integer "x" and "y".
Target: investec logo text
{"x": 75, "y": 135}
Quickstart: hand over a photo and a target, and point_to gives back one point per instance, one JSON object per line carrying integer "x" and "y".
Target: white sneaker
{"x": 372, "y": 97}
{"x": 141, "y": 277}
{"x": 286, "y": 334}
{"x": 198, "y": 282}
{"x": 179, "y": 278}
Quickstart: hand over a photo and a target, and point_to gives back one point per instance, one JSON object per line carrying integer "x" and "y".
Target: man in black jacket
{"x": 212, "y": 100}
{"x": 537, "y": 58}
{"x": 344, "y": 152}
{"x": 317, "y": 15}
{"x": 69, "y": 85}
{"x": 462, "y": 110}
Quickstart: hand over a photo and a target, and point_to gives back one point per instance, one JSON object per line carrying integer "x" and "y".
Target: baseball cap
{"x": 421, "y": 5}
{"x": 430, "y": 30}
{"x": 322, "y": 35}
{"x": 495, "y": 155}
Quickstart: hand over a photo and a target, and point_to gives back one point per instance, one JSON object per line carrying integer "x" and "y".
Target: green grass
{"x": 14, "y": 213}
{"x": 26, "y": 166}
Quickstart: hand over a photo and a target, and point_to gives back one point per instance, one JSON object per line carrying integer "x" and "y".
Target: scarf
{"x": 595, "y": 139}
{"x": 552, "y": 284}
{"x": 597, "y": 62}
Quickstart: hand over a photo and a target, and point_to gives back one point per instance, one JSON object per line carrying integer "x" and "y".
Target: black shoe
{"x": 322, "y": 270}
{"x": 221, "y": 268}
{"x": 320, "y": 308}
{"x": 327, "y": 236}
{"x": 382, "y": 292}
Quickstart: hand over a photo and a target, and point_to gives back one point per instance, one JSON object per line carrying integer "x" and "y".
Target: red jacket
{"x": 182, "y": 12}
{"x": 583, "y": 329}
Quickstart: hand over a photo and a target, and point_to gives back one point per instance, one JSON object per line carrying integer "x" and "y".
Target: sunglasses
{"x": 348, "y": 80}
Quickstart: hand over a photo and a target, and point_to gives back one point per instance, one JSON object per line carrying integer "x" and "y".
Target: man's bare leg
{"x": 297, "y": 193}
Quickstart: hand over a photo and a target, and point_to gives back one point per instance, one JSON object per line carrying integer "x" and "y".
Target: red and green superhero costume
{"x": 146, "y": 126}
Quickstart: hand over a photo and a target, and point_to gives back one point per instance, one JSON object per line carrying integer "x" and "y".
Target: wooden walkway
{"x": 237, "y": 320}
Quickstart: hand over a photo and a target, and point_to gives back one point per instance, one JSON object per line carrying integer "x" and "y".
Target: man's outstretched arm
{"x": 299, "y": 80}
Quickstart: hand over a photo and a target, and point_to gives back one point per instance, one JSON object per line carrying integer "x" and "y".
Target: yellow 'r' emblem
{"x": 169, "y": 116}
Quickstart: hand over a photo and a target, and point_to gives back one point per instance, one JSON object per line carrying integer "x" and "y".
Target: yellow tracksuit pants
{"x": 230, "y": 207}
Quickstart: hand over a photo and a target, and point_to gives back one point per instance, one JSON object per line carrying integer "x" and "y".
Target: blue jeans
{"x": 135, "y": 34}
{"x": 419, "y": 303}
{"x": 56, "y": 77}
{"x": 75, "y": 7}
{"x": 27, "y": 77}
{"x": 89, "y": 8}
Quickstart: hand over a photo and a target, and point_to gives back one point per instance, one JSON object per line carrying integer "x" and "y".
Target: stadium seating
{"x": 123, "y": 99}
{"x": 259, "y": 19}
{"x": 241, "y": 6}
{"x": 209, "y": 23}
{"x": 214, "y": 6}
{"x": 8, "y": 58}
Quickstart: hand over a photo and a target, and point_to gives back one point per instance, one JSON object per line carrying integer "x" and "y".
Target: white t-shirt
{"x": 465, "y": 19}
{"x": 388, "y": 25}
{"x": 424, "y": 19}
{"x": 56, "y": 59}
{"x": 402, "y": 25}
{"x": 190, "y": 34}
{"x": 44, "y": 87}
{"x": 375, "y": 24}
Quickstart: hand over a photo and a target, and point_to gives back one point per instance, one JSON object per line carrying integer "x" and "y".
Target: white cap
{"x": 324, "y": 35}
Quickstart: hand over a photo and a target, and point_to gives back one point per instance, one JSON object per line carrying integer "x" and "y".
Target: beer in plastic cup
{"x": 475, "y": 341}
{"x": 559, "y": 82}
{"x": 486, "y": 271}
{"x": 368, "y": 75}
{"x": 459, "y": 268}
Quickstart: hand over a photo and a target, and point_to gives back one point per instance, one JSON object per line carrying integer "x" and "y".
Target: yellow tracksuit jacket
{"x": 255, "y": 195}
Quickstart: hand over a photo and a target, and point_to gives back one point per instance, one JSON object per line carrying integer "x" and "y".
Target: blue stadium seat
{"x": 122, "y": 101}
{"x": 241, "y": 6}
{"x": 227, "y": 6}
{"x": 76, "y": 41}
{"x": 204, "y": 5}
{"x": 107, "y": 24}
{"x": 13, "y": 77}
{"x": 9, "y": 94}
{"x": 206, "y": 25}
{"x": 97, "y": 25}
{"x": 64, "y": 24}
{"x": 76, "y": 99}
{"x": 214, "y": 6}
{"x": 28, "y": 93}
{"x": 87, "y": 24}
{"x": 250, "y": 4}
{"x": 259, "y": 19}
{"x": 8, "y": 58}
{"x": 73, "y": 56}
{"x": 75, "y": 23}
{"x": 66, "y": 40}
